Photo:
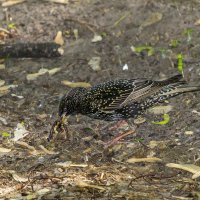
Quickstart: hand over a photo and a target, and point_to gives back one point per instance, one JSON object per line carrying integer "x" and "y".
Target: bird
{"x": 122, "y": 99}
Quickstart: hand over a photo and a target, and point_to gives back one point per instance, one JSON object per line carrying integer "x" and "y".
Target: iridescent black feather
{"x": 122, "y": 99}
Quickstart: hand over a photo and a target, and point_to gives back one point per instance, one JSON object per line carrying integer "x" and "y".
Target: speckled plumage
{"x": 121, "y": 99}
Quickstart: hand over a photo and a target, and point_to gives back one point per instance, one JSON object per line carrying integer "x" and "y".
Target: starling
{"x": 121, "y": 99}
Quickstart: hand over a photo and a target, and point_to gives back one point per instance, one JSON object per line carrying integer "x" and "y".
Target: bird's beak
{"x": 64, "y": 118}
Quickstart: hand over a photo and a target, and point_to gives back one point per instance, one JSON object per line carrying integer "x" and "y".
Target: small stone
{"x": 95, "y": 63}
{"x": 97, "y": 38}
{"x": 189, "y": 132}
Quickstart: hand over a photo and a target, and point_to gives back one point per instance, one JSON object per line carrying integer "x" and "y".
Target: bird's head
{"x": 69, "y": 103}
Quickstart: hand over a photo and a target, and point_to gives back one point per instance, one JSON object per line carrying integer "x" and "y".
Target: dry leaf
{"x": 83, "y": 184}
{"x": 24, "y": 144}
{"x": 149, "y": 159}
{"x": 197, "y": 22}
{"x": 76, "y": 84}
{"x": 47, "y": 151}
{"x": 59, "y": 38}
{"x": 4, "y": 150}
{"x": 196, "y": 175}
{"x": 14, "y": 95}
{"x": 189, "y": 132}
{"x": 3, "y": 92}
{"x": 12, "y": 2}
{"x": 158, "y": 110}
{"x": 3, "y": 120}
{"x": 64, "y": 164}
{"x": 88, "y": 150}
{"x": 5, "y": 190}
{"x": 20, "y": 132}
{"x": 4, "y": 31}
{"x": 196, "y": 112}
{"x": 54, "y": 70}
{"x": 19, "y": 178}
{"x": 2, "y": 66}
{"x": 43, "y": 191}
{"x": 7, "y": 87}
{"x": 181, "y": 197}
{"x": 79, "y": 165}
{"x": 187, "y": 167}
{"x": 152, "y": 19}
{"x": 31, "y": 77}
{"x": 70, "y": 164}
{"x": 31, "y": 149}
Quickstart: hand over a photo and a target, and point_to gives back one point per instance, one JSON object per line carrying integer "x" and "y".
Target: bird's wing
{"x": 112, "y": 95}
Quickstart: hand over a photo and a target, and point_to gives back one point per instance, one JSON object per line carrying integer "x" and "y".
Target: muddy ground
{"x": 92, "y": 171}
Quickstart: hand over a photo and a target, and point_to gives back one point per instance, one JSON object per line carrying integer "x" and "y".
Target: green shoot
{"x": 103, "y": 34}
{"x": 180, "y": 63}
{"x": 188, "y": 33}
{"x": 12, "y": 26}
{"x": 5, "y": 134}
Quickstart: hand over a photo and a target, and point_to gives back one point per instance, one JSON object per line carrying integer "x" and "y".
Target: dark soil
{"x": 106, "y": 172}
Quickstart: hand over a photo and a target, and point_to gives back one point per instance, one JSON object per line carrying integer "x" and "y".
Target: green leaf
{"x": 166, "y": 120}
{"x": 180, "y": 63}
{"x": 150, "y": 50}
{"x": 12, "y": 26}
{"x": 103, "y": 34}
{"x": 174, "y": 43}
{"x": 5, "y": 134}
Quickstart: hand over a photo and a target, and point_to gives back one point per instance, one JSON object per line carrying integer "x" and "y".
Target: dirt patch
{"x": 92, "y": 171}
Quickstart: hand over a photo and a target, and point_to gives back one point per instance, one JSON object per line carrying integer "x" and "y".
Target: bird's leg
{"x": 117, "y": 138}
{"x": 119, "y": 124}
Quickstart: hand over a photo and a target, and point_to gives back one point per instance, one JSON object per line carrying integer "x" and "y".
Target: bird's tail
{"x": 176, "y": 85}
{"x": 174, "y": 90}
{"x": 172, "y": 87}
{"x": 174, "y": 79}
